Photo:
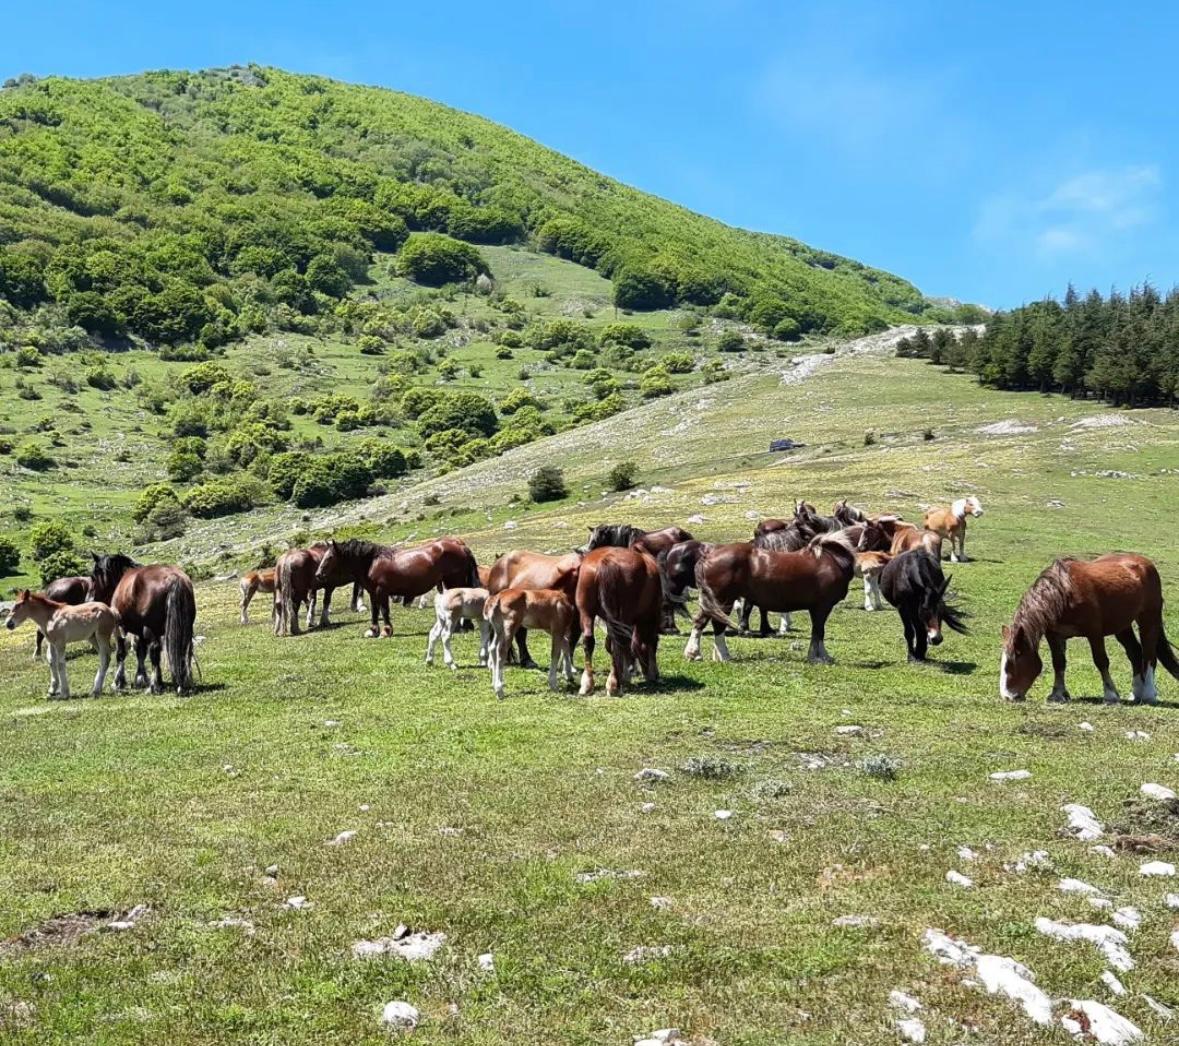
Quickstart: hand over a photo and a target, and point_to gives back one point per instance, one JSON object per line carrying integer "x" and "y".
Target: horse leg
{"x": 1139, "y": 663}
{"x": 588, "y": 641}
{"x": 51, "y": 661}
{"x": 920, "y": 639}
{"x": 524, "y": 657}
{"x": 817, "y": 655}
{"x": 720, "y": 645}
{"x": 448, "y": 631}
{"x": 63, "y": 679}
{"x": 374, "y": 605}
{"x": 784, "y": 625}
{"x": 104, "y": 659}
{"x": 556, "y": 656}
{"x": 38, "y": 643}
{"x": 121, "y": 659}
{"x": 157, "y": 676}
{"x": 692, "y": 649}
{"x": 746, "y": 614}
{"x": 141, "y": 645}
{"x": 1101, "y": 660}
{"x": 618, "y": 668}
{"x": 324, "y": 619}
{"x": 910, "y": 634}
{"x": 432, "y": 640}
{"x": 387, "y": 631}
{"x": 1151, "y": 632}
{"x": 357, "y": 598}
{"x": 484, "y": 637}
{"x": 500, "y": 644}
{"x": 247, "y": 595}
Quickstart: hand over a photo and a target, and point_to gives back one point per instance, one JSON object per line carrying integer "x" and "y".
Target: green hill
{"x": 179, "y": 206}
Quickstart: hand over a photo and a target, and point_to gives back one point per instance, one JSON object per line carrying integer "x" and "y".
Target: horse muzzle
{"x": 10, "y": 625}
{"x": 935, "y": 636}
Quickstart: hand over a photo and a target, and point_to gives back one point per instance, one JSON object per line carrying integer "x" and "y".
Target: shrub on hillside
{"x": 9, "y": 557}
{"x": 151, "y": 498}
{"x": 224, "y": 497}
{"x": 517, "y": 398}
{"x": 462, "y": 410}
{"x": 64, "y": 563}
{"x": 655, "y": 382}
{"x": 622, "y": 476}
{"x": 629, "y": 334}
{"x": 731, "y": 341}
{"x": 49, "y": 538}
{"x": 636, "y": 288}
{"x": 183, "y": 466}
{"x": 547, "y": 483}
{"x": 678, "y": 362}
{"x": 33, "y": 455}
{"x": 434, "y": 259}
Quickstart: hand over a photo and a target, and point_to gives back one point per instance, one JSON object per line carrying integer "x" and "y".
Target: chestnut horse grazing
{"x": 63, "y": 623}
{"x": 1094, "y": 598}
{"x": 913, "y": 583}
{"x": 950, "y": 522}
{"x": 523, "y": 569}
{"x": 453, "y": 606}
{"x": 252, "y": 582}
{"x": 72, "y": 590}
{"x": 157, "y": 605}
{"x": 392, "y": 573}
{"x": 512, "y": 609}
{"x": 813, "y": 579}
{"x": 621, "y": 586}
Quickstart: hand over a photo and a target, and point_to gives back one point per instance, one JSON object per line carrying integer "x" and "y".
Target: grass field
{"x": 476, "y": 819}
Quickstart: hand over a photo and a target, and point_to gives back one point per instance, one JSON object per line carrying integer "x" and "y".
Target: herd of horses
{"x": 635, "y": 582}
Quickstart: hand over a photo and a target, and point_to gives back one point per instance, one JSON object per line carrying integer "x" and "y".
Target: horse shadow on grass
{"x": 1123, "y": 703}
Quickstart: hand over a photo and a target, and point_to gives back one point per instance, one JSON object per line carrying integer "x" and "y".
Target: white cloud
{"x": 1081, "y": 214}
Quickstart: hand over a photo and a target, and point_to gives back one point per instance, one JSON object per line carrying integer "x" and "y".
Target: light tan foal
{"x": 252, "y": 582}
{"x": 544, "y": 608}
{"x": 62, "y": 623}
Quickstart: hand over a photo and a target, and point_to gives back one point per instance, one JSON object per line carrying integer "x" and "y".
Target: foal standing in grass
{"x": 63, "y": 623}
{"x": 452, "y": 606}
{"x": 544, "y": 608}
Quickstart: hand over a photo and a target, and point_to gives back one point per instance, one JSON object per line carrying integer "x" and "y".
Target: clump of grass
{"x": 770, "y": 788}
{"x": 869, "y": 438}
{"x": 927, "y": 435}
{"x": 710, "y": 767}
{"x": 882, "y": 767}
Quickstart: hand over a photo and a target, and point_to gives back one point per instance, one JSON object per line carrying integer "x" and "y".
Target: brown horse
{"x": 252, "y": 582}
{"x": 622, "y": 587}
{"x": 296, "y": 583}
{"x": 157, "y": 605}
{"x": 391, "y": 573}
{"x": 523, "y": 569}
{"x": 71, "y": 590}
{"x": 1095, "y": 598}
{"x": 905, "y": 537}
{"x": 654, "y": 542}
{"x": 812, "y": 579}
{"x": 511, "y": 609}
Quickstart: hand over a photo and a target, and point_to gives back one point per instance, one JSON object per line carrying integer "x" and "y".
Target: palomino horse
{"x": 252, "y": 582}
{"x": 523, "y": 569}
{"x": 157, "y": 605}
{"x": 622, "y": 587}
{"x": 950, "y": 522}
{"x": 514, "y": 608}
{"x": 812, "y": 579}
{"x": 453, "y": 606}
{"x": 63, "y": 623}
{"x": 71, "y": 590}
{"x": 653, "y": 542}
{"x": 391, "y": 573}
{"x": 913, "y": 583}
{"x": 1095, "y": 598}
{"x": 296, "y": 582}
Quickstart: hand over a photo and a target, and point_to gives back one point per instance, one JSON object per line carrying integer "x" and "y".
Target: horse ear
{"x": 1006, "y": 633}
{"x": 25, "y": 594}
{"x": 94, "y": 556}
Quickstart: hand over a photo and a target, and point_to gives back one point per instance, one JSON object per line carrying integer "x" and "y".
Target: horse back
{"x": 73, "y": 590}
{"x": 1114, "y": 590}
{"x": 141, "y": 597}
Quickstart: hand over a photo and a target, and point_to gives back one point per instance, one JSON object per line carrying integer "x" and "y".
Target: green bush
{"x": 547, "y": 483}
{"x": 284, "y": 470}
{"x": 151, "y": 498}
{"x": 63, "y": 563}
{"x": 433, "y": 259}
{"x": 9, "y": 557}
{"x": 517, "y": 398}
{"x": 224, "y": 497}
{"x": 622, "y": 476}
{"x": 629, "y": 334}
{"x": 33, "y": 455}
{"x": 636, "y": 288}
{"x": 48, "y": 538}
{"x": 654, "y": 383}
{"x": 731, "y": 341}
{"x": 183, "y": 466}
{"x": 462, "y": 410}
{"x": 678, "y": 362}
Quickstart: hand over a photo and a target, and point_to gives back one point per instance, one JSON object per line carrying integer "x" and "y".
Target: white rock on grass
{"x": 1172, "y": 901}
{"x": 965, "y": 853}
{"x": 1011, "y": 775}
{"x": 650, "y": 774}
{"x": 1100, "y": 1024}
{"x": 1137, "y": 735}
{"x": 1104, "y": 903}
{"x": 233, "y": 922}
{"x": 1175, "y": 940}
{"x": 696, "y": 520}
{"x": 855, "y": 922}
{"x": 487, "y": 962}
{"x": 1163, "y": 1011}
{"x": 647, "y": 953}
{"x": 723, "y": 815}
{"x": 607, "y": 873}
{"x": 1102, "y": 850}
{"x": 1157, "y": 791}
{"x": 661, "y": 904}
{"x": 958, "y": 879}
{"x": 1127, "y": 918}
{"x": 900, "y": 1000}
{"x": 1082, "y": 824}
{"x": 1110, "y": 980}
{"x": 1157, "y": 868}
{"x": 850, "y": 730}
{"x": 343, "y": 838}
{"x": 129, "y": 920}
{"x": 297, "y": 903}
{"x": 1037, "y": 860}
{"x": 412, "y": 947}
{"x": 1086, "y": 726}
{"x": 911, "y": 1029}
{"x": 998, "y": 974}
{"x": 1107, "y": 940}
{"x": 399, "y": 1015}
{"x": 647, "y": 808}
{"x": 662, "y": 1037}
{"x": 1077, "y": 886}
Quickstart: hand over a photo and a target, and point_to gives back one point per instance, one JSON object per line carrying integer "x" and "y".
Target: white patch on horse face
{"x": 1005, "y": 690}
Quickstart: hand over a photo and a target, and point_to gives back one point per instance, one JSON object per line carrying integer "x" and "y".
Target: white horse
{"x": 451, "y": 606}
{"x": 62, "y": 623}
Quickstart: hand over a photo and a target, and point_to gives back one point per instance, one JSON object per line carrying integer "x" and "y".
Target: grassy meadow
{"x": 478, "y": 819}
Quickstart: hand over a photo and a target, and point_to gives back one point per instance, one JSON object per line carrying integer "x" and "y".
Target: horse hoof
{"x": 1058, "y": 699}
{"x": 370, "y": 634}
{"x": 529, "y": 664}
{"x": 386, "y": 632}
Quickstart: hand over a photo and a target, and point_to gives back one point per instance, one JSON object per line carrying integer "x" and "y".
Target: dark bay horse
{"x": 156, "y": 604}
{"x": 71, "y": 590}
{"x": 653, "y": 542}
{"x": 622, "y": 587}
{"x": 813, "y": 579}
{"x": 523, "y": 569}
{"x": 394, "y": 573}
{"x": 296, "y": 582}
{"x": 1094, "y": 598}
{"x": 913, "y": 583}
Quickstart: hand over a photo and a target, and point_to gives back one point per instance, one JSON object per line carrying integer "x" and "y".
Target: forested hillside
{"x": 182, "y": 207}
{"x": 1123, "y": 349}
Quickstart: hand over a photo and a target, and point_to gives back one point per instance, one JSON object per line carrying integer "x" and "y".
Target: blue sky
{"x": 990, "y": 154}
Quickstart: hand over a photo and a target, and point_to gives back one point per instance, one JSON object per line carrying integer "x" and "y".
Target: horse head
{"x": 329, "y": 562}
{"x": 1019, "y": 665}
{"x": 19, "y": 612}
{"x": 106, "y": 573}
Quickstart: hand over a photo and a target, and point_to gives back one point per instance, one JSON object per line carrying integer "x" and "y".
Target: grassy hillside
{"x": 481, "y": 819}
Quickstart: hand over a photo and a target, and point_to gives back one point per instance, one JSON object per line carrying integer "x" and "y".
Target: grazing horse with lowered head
{"x": 814, "y": 579}
{"x": 296, "y": 583}
{"x": 621, "y": 586}
{"x": 512, "y": 609}
{"x": 523, "y": 569}
{"x": 63, "y": 623}
{"x": 1094, "y": 598}
{"x": 907, "y": 536}
{"x": 913, "y": 583}
{"x": 388, "y": 573}
{"x": 453, "y": 606}
{"x": 949, "y": 521}
{"x": 71, "y": 590}
{"x": 253, "y": 582}
{"x": 157, "y": 605}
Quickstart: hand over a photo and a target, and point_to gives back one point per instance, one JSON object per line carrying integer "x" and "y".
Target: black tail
{"x": 473, "y": 572}
{"x": 1166, "y": 653}
{"x": 179, "y": 616}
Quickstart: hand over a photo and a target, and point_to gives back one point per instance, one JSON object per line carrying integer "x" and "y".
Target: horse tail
{"x": 179, "y": 615}
{"x": 709, "y": 604}
{"x": 953, "y": 617}
{"x": 472, "y": 570}
{"x": 284, "y": 596}
{"x": 1165, "y": 652}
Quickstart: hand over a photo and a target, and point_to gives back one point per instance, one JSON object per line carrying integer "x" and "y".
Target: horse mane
{"x": 358, "y": 548}
{"x": 1045, "y": 602}
{"x": 837, "y": 543}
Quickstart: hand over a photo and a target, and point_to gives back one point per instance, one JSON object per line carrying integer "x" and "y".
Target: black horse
{"x": 913, "y": 583}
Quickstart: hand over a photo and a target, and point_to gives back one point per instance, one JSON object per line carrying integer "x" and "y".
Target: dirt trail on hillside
{"x": 882, "y": 344}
